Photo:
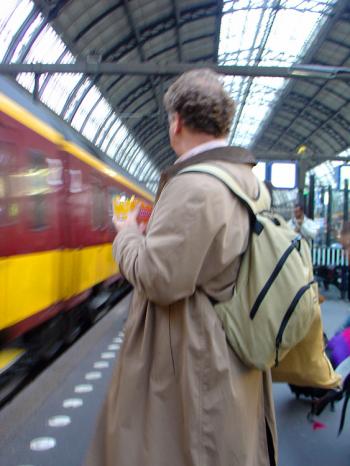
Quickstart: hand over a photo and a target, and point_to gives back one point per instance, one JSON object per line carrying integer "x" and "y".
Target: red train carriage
{"x": 55, "y": 232}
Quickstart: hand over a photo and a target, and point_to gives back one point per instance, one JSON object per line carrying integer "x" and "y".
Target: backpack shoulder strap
{"x": 263, "y": 201}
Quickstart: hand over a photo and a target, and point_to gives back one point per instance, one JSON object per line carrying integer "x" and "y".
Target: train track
{"x": 29, "y": 365}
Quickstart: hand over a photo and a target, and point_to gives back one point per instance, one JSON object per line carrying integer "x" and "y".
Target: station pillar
{"x": 311, "y": 200}
{"x": 346, "y": 201}
{"x": 329, "y": 216}
{"x": 301, "y": 181}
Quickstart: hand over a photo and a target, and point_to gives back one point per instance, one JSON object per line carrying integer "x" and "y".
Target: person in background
{"x": 300, "y": 223}
{"x": 345, "y": 238}
{"x": 339, "y": 346}
{"x": 179, "y": 395}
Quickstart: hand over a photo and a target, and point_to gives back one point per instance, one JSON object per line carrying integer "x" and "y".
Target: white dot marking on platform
{"x": 42, "y": 443}
{"x": 113, "y": 347}
{"x": 72, "y": 403}
{"x": 109, "y": 355}
{"x": 101, "y": 364}
{"x": 59, "y": 421}
{"x": 93, "y": 375}
{"x": 118, "y": 340}
{"x": 84, "y": 388}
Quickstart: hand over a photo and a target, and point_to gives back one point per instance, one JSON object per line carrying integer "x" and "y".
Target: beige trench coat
{"x": 179, "y": 396}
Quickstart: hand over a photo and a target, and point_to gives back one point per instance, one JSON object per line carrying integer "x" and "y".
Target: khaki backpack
{"x": 275, "y": 297}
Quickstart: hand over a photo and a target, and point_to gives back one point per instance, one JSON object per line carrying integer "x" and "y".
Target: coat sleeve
{"x": 165, "y": 263}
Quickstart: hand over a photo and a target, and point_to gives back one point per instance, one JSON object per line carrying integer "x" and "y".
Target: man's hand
{"x": 130, "y": 221}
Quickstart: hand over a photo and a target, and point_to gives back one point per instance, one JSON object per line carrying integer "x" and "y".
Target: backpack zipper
{"x": 288, "y": 315}
{"x": 294, "y": 244}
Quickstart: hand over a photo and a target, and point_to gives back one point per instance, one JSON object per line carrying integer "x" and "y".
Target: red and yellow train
{"x": 55, "y": 225}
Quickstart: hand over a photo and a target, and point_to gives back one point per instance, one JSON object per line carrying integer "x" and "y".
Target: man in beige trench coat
{"x": 179, "y": 396}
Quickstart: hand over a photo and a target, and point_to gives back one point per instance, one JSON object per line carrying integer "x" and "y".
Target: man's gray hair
{"x": 203, "y": 104}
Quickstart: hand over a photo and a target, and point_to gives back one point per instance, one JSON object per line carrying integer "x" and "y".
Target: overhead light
{"x": 301, "y": 149}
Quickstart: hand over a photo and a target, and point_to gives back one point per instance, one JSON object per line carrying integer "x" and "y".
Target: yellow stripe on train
{"x": 20, "y": 114}
{"x": 32, "y": 282}
{"x": 9, "y": 356}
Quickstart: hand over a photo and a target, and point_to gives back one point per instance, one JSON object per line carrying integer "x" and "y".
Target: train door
{"x": 99, "y": 228}
{"x": 42, "y": 242}
{"x": 78, "y": 228}
{"x": 10, "y": 216}
{"x": 112, "y": 192}
{"x": 89, "y": 229}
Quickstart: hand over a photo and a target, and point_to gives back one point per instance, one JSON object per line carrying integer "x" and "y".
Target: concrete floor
{"x": 299, "y": 444}
{"x": 34, "y": 412}
{"x": 50, "y": 423}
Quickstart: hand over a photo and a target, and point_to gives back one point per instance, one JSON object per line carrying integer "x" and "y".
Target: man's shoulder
{"x": 195, "y": 182}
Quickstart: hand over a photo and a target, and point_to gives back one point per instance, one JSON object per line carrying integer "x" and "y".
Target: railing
{"x": 331, "y": 267}
{"x": 330, "y": 257}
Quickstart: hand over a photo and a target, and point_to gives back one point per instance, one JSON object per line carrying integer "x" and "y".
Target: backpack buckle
{"x": 257, "y": 227}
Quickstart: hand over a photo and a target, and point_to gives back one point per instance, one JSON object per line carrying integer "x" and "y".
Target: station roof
{"x": 312, "y": 116}
{"x": 123, "y": 114}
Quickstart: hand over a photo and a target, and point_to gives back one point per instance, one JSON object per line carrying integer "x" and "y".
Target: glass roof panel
{"x": 116, "y": 142}
{"x": 325, "y": 173}
{"x": 264, "y": 33}
{"x": 27, "y": 80}
{"x": 58, "y": 89}
{"x": 110, "y": 134}
{"x": 345, "y": 153}
{"x": 13, "y": 14}
{"x": 97, "y": 118}
{"x": 32, "y": 29}
{"x": 83, "y": 86}
{"x": 135, "y": 157}
{"x": 47, "y": 48}
{"x": 124, "y": 151}
{"x": 88, "y": 102}
{"x": 104, "y": 129}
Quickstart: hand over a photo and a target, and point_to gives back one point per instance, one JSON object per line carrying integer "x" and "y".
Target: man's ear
{"x": 178, "y": 124}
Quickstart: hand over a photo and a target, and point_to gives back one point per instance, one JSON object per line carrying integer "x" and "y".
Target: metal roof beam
{"x": 51, "y": 9}
{"x": 220, "y": 5}
{"x": 178, "y": 30}
{"x": 142, "y": 55}
{"x": 160, "y": 26}
{"x": 336, "y": 42}
{"x": 18, "y": 36}
{"x": 306, "y": 108}
{"x": 96, "y": 20}
{"x": 147, "y": 69}
{"x": 244, "y": 90}
{"x": 105, "y": 127}
{"x": 163, "y": 51}
{"x": 268, "y": 157}
{"x": 160, "y": 165}
{"x": 321, "y": 37}
{"x": 159, "y": 147}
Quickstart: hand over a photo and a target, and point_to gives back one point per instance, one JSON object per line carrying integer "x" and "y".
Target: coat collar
{"x": 231, "y": 154}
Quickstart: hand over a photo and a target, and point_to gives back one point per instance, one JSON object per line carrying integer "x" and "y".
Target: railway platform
{"x": 50, "y": 423}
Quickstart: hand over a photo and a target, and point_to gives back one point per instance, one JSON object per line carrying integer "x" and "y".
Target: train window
{"x": 9, "y": 201}
{"x": 36, "y": 190}
{"x": 98, "y": 217}
{"x": 112, "y": 192}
